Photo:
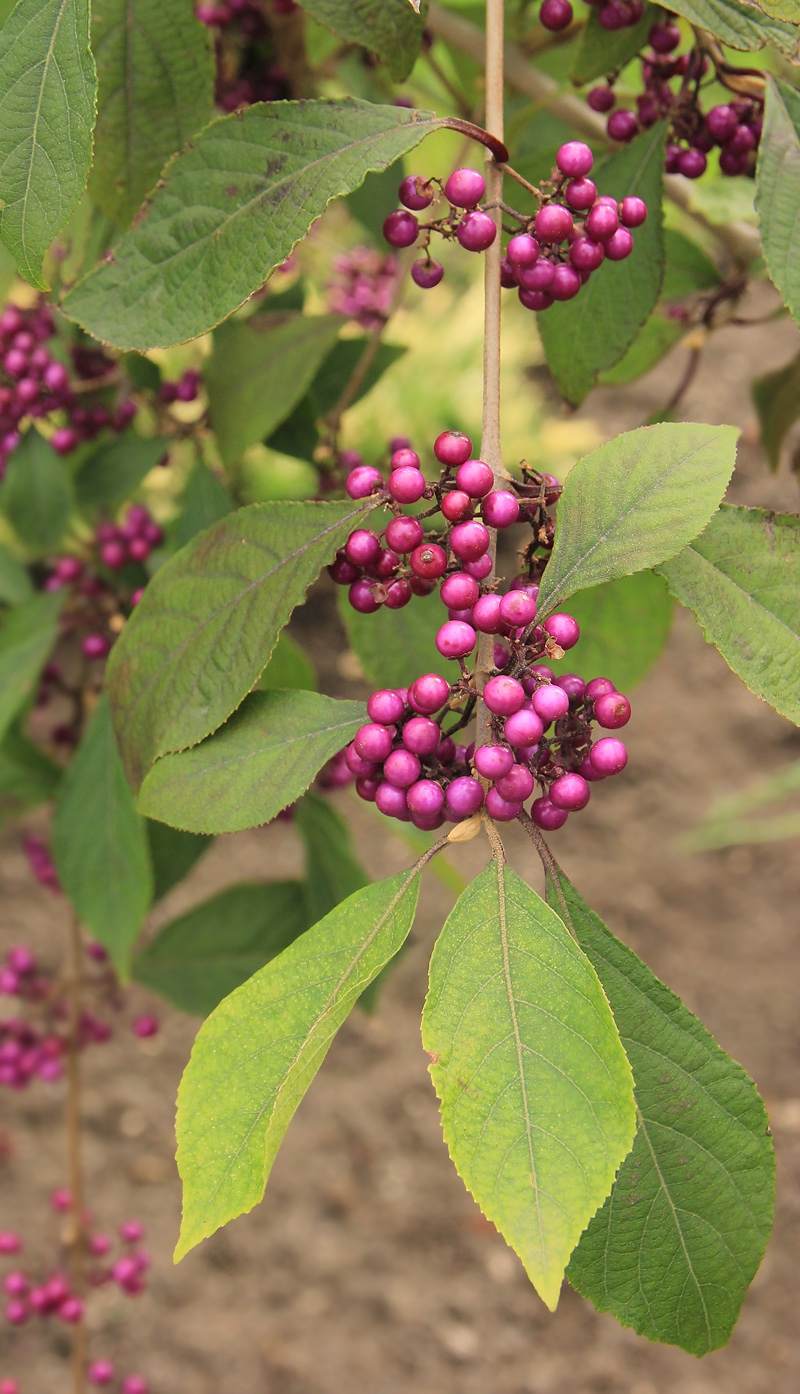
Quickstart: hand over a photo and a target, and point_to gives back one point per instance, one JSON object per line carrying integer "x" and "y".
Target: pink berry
{"x": 15, "y": 1284}
{"x": 500, "y": 508}
{"x": 555, "y": 15}
{"x": 456, "y": 639}
{"x": 465, "y": 188}
{"x": 367, "y": 787}
{"x": 9, "y": 1386}
{"x": 517, "y": 785}
{"x": 16, "y": 1312}
{"x": 61, "y": 1200}
{"x": 428, "y": 562}
{"x": 430, "y": 692}
{"x": 523, "y": 728}
{"x": 414, "y": 193}
{"x": 608, "y": 755}
{"x": 503, "y": 810}
{"x": 134, "y": 1384}
{"x": 493, "y": 761}
{"x": 612, "y": 710}
{"x": 566, "y": 283}
{"x": 575, "y": 159}
{"x": 602, "y": 222}
{"x": 71, "y": 1310}
{"x": 456, "y": 506}
{"x": 406, "y": 485}
{"x": 459, "y": 591}
{"x": 550, "y": 702}
{"x": 64, "y": 440}
{"x": 564, "y": 629}
{"x": 517, "y": 609}
{"x": 363, "y": 769}
{"x": 537, "y": 277}
{"x": 363, "y": 481}
{"x": 403, "y": 457}
{"x": 385, "y": 706}
{"x": 361, "y": 598}
{"x": 131, "y": 1232}
{"x": 99, "y": 1245}
{"x": 570, "y": 792}
{"x": 10, "y": 1242}
{"x": 425, "y": 797}
{"x": 598, "y": 687}
{"x": 476, "y": 231}
{"x": 401, "y": 769}
{"x": 427, "y": 274}
{"x": 632, "y": 211}
{"x": 400, "y": 228}
{"x": 404, "y": 534}
{"x": 373, "y": 742}
{"x": 463, "y": 797}
{"x": 547, "y": 816}
{"x": 452, "y": 448}
{"x": 145, "y": 1026}
{"x": 480, "y": 568}
{"x": 421, "y": 735}
{"x": 468, "y": 541}
{"x": 523, "y": 250}
{"x": 622, "y": 125}
{"x": 486, "y": 615}
{"x": 620, "y": 245}
{"x": 722, "y": 122}
{"x": 100, "y": 1372}
{"x": 95, "y": 645}
{"x": 553, "y": 223}
{"x": 664, "y": 37}
{"x": 475, "y": 478}
{"x": 586, "y": 255}
{"x": 581, "y": 194}
{"x": 362, "y": 547}
{"x": 503, "y": 695}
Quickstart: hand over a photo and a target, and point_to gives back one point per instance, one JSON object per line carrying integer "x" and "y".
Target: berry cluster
{"x": 247, "y": 70}
{"x": 187, "y": 389}
{"x": 578, "y": 228}
{"x": 671, "y": 84}
{"x": 365, "y": 286}
{"x": 612, "y": 14}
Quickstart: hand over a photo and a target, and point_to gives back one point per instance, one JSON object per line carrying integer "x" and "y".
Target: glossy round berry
{"x": 581, "y": 194}
{"x": 465, "y": 188}
{"x": 741, "y": 143}
{"x": 452, "y": 448}
{"x": 446, "y": 751}
{"x": 386, "y": 565}
{"x": 456, "y": 506}
{"x": 400, "y": 228}
{"x": 503, "y": 695}
{"x": 632, "y": 211}
{"x": 570, "y": 792}
{"x": 523, "y": 250}
{"x": 573, "y": 685}
{"x": 476, "y": 231}
{"x": 480, "y": 568}
{"x": 134, "y": 1384}
{"x": 361, "y": 598}
{"x": 459, "y": 591}
{"x": 456, "y": 639}
{"x": 506, "y": 274}
{"x": 415, "y": 194}
{"x": 362, "y": 769}
{"x": 587, "y": 769}
{"x": 385, "y": 706}
{"x": 564, "y": 629}
{"x": 598, "y": 687}
{"x": 406, "y": 485}
{"x": 95, "y": 645}
{"x": 503, "y": 810}
{"x": 602, "y": 222}
{"x": 429, "y": 561}
{"x": 523, "y": 728}
{"x": 373, "y": 742}
{"x": 517, "y": 609}
{"x": 612, "y": 710}
{"x": 620, "y": 245}
{"x": 425, "y": 797}
{"x": 401, "y": 768}
{"x": 71, "y": 1310}
{"x": 722, "y": 122}
{"x": 397, "y": 595}
{"x": 362, "y": 482}
{"x": 555, "y": 15}
{"x": 575, "y": 159}
{"x": 100, "y": 1372}
{"x": 730, "y": 163}
{"x": 537, "y": 277}
{"x": 421, "y": 735}
{"x": 426, "y": 822}
{"x": 427, "y": 274}
{"x": 566, "y": 283}
{"x": 553, "y": 223}
{"x": 430, "y": 692}
{"x": 16, "y": 1312}
{"x": 493, "y": 761}
{"x": 500, "y": 508}
{"x": 486, "y": 615}
{"x": 391, "y": 800}
{"x": 517, "y": 785}
{"x": 468, "y": 541}
{"x": 622, "y": 125}
{"x": 600, "y": 99}
{"x": 550, "y": 702}
{"x": 586, "y": 255}
{"x": 547, "y": 816}
{"x": 692, "y": 164}
{"x": 664, "y": 37}
{"x": 403, "y": 457}
{"x": 362, "y": 547}
{"x": 404, "y": 534}
{"x": 475, "y": 478}
{"x": 608, "y": 755}
{"x": 463, "y": 797}
{"x": 10, "y": 1242}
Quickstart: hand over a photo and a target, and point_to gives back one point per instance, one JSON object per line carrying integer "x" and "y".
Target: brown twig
{"x": 77, "y": 1229}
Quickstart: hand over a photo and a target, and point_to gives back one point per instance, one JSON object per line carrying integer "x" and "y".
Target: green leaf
{"x": 173, "y": 853}
{"x": 260, "y": 761}
{"x": 390, "y": 28}
{"x": 27, "y": 637}
{"x": 47, "y": 109}
{"x": 339, "y": 366}
{"x": 779, "y": 9}
{"x": 203, "y": 632}
{"x": 100, "y": 843}
{"x": 205, "y": 500}
{"x": 730, "y": 822}
{"x": 36, "y": 495}
{"x": 297, "y": 436}
{"x": 778, "y": 190}
{"x": 635, "y": 502}
{"x": 256, "y": 1055}
{"x": 536, "y": 1093}
{"x": 260, "y": 178}
{"x": 679, "y": 1240}
{"x": 399, "y": 644}
{"x": 373, "y": 201}
{"x": 590, "y": 333}
{"x": 289, "y": 666}
{"x": 114, "y": 471}
{"x": 738, "y": 23}
{"x": 198, "y": 959}
{"x": 687, "y": 268}
{"x": 777, "y": 401}
{"x": 27, "y": 776}
{"x": 332, "y": 872}
{"x": 741, "y": 578}
{"x": 155, "y": 73}
{"x": 603, "y": 51}
{"x": 624, "y": 627}
{"x": 655, "y": 338}
{"x": 259, "y": 371}
{"x": 141, "y": 371}
{"x": 15, "y": 582}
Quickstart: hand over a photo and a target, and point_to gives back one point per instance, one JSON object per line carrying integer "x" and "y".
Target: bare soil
{"x": 368, "y": 1267}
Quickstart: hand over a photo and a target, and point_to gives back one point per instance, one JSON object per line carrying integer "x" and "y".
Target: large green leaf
{"x": 116, "y": 470}
{"x": 390, "y": 28}
{"x": 36, "y": 496}
{"x": 656, "y": 337}
{"x": 536, "y": 1093}
{"x": 340, "y": 365}
{"x": 173, "y": 853}
{"x": 778, "y": 190}
{"x": 254, "y": 766}
{"x": 741, "y": 578}
{"x": 583, "y": 336}
{"x": 635, "y": 502}
{"x": 739, "y": 24}
{"x": 100, "y": 843}
{"x": 204, "y": 630}
{"x": 259, "y": 371}
{"x": 604, "y": 51}
{"x": 395, "y": 646}
{"x": 15, "y": 581}
{"x": 332, "y": 872}
{"x": 198, "y": 959}
{"x": 624, "y": 627}
{"x": 27, "y": 636}
{"x": 680, "y": 1238}
{"x": 28, "y": 777}
{"x": 256, "y": 1055}
{"x": 47, "y": 110}
{"x": 204, "y": 501}
{"x": 687, "y": 268}
{"x": 155, "y": 74}
{"x": 289, "y": 666}
{"x": 229, "y": 210}
{"x": 777, "y": 401}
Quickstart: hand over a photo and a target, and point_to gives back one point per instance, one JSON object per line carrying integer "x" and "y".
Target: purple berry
{"x": 546, "y": 816}
{"x": 465, "y": 188}
{"x": 517, "y": 609}
{"x": 506, "y": 274}
{"x": 459, "y": 591}
{"x": 421, "y": 735}
{"x": 475, "y": 478}
{"x": 500, "y": 508}
{"x": 535, "y": 299}
{"x": 632, "y": 211}
{"x": 608, "y": 755}
{"x": 468, "y": 541}
{"x": 400, "y": 228}
{"x": 404, "y": 534}
{"x": 373, "y": 742}
{"x": 581, "y": 194}
{"x": 573, "y": 685}
{"x": 517, "y": 785}
{"x": 620, "y": 245}
{"x": 587, "y": 769}
{"x": 523, "y": 728}
{"x": 598, "y": 687}
{"x": 362, "y": 482}
{"x": 553, "y": 223}
{"x": 555, "y": 15}
{"x": 10, "y": 1242}
{"x": 427, "y": 274}
{"x": 503, "y": 695}
{"x": 404, "y": 458}
{"x": 413, "y": 193}
{"x": 537, "y": 277}
{"x": 486, "y": 615}
{"x": 480, "y": 568}
{"x": 426, "y": 798}
{"x": 570, "y": 792}
{"x": 566, "y": 283}
{"x": 523, "y": 250}
{"x": 456, "y": 639}
{"x": 428, "y": 562}
{"x": 391, "y": 800}
{"x": 342, "y": 572}
{"x": 100, "y": 1372}
{"x": 95, "y": 645}
{"x": 363, "y": 769}
{"x": 456, "y": 506}
{"x": 476, "y": 231}
{"x": 722, "y": 122}
{"x": 741, "y": 143}
{"x": 493, "y": 761}
{"x": 429, "y": 693}
{"x": 464, "y": 797}
{"x": 664, "y": 37}
{"x": 601, "y": 223}
{"x": 730, "y": 163}
{"x": 564, "y": 629}
{"x": 622, "y": 125}
{"x": 401, "y": 768}
{"x": 586, "y": 255}
{"x": 612, "y": 710}
{"x": 362, "y": 547}
{"x": 385, "y": 707}
{"x": 550, "y": 702}
{"x": 134, "y": 1384}
{"x": 452, "y": 448}
{"x": 575, "y": 159}
{"x": 600, "y": 99}
{"x": 406, "y": 485}
{"x": 692, "y": 164}
{"x": 64, "y": 440}
{"x": 145, "y": 1026}
{"x": 613, "y": 15}
{"x": 16, "y": 1313}
{"x": 71, "y": 1310}
{"x": 496, "y": 806}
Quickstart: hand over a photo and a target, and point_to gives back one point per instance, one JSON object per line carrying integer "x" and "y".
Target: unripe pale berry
{"x": 400, "y": 228}
{"x": 429, "y": 693}
{"x": 415, "y": 194}
{"x": 476, "y": 232}
{"x": 459, "y": 591}
{"x": 426, "y": 798}
{"x": 517, "y": 785}
{"x": 456, "y": 639}
{"x": 464, "y": 796}
{"x": 486, "y": 615}
{"x": 468, "y": 541}
{"x": 465, "y": 188}
{"x": 421, "y": 735}
{"x": 564, "y": 629}
{"x": 401, "y": 768}
{"x": 429, "y": 561}
{"x": 570, "y": 792}
{"x": 550, "y": 702}
{"x": 553, "y": 223}
{"x": 620, "y": 245}
{"x": 523, "y": 250}
{"x": 502, "y": 810}
{"x": 427, "y": 274}
{"x": 404, "y": 534}
{"x": 406, "y": 485}
{"x": 456, "y": 506}
{"x": 612, "y": 710}
{"x": 361, "y": 598}
{"x": 575, "y": 159}
{"x": 608, "y": 755}
{"x": 546, "y": 816}
{"x": 500, "y": 508}
{"x": 632, "y": 211}
{"x": 517, "y": 609}
{"x": 391, "y": 800}
{"x": 452, "y": 447}
{"x": 503, "y": 695}
{"x": 475, "y": 478}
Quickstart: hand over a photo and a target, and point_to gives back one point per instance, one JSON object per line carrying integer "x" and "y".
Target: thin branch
{"x": 77, "y": 1228}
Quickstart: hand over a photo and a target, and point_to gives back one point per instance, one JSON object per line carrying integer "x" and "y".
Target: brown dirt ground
{"x": 367, "y": 1267}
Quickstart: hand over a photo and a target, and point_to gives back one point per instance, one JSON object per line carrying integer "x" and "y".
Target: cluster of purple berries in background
{"x": 246, "y": 66}
{"x": 364, "y": 287}
{"x": 51, "y": 1295}
{"x": 556, "y": 15}
{"x": 551, "y": 254}
{"x": 671, "y": 84}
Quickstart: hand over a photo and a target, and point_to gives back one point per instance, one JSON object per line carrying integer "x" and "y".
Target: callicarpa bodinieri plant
{"x": 210, "y": 220}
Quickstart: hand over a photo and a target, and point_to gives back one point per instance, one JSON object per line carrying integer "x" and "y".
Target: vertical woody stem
{"x": 76, "y": 1235}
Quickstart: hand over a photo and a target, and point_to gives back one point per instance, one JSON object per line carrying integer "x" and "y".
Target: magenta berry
{"x": 100, "y": 1372}
{"x": 421, "y": 735}
{"x": 692, "y": 163}
{"x": 456, "y": 639}
{"x": 570, "y": 792}
{"x": 415, "y": 194}
{"x": 503, "y": 695}
{"x": 430, "y": 692}
{"x": 373, "y": 742}
{"x": 608, "y": 755}
{"x": 502, "y": 810}
{"x": 363, "y": 481}
{"x": 555, "y": 15}
{"x": 464, "y": 797}
{"x": 404, "y": 534}
{"x": 425, "y": 798}
{"x": 602, "y": 222}
{"x": 620, "y": 245}
{"x": 564, "y": 629}
{"x": 475, "y": 478}
{"x": 71, "y": 1310}
{"x": 573, "y": 685}
{"x": 145, "y": 1026}
{"x": 547, "y": 816}
{"x": 134, "y": 1384}
{"x": 95, "y": 645}
{"x": 600, "y": 99}
{"x": 397, "y": 595}
{"x": 361, "y": 598}
{"x": 400, "y": 228}
{"x": 581, "y": 194}
{"x": 622, "y": 125}
{"x": 476, "y": 231}
{"x": 459, "y": 591}
{"x": 364, "y": 769}
{"x": 493, "y": 761}
{"x": 517, "y": 785}
{"x": 550, "y": 702}
{"x": 468, "y": 541}
{"x": 500, "y": 508}
{"x": 598, "y": 687}
{"x": 553, "y": 223}
{"x": 10, "y": 1242}
{"x": 403, "y": 457}
{"x": 523, "y": 250}
{"x": 429, "y": 561}
{"x": 612, "y": 710}
{"x": 566, "y": 283}
{"x": 575, "y": 159}
{"x": 480, "y": 568}
{"x": 385, "y": 706}
{"x": 427, "y": 274}
{"x": 465, "y": 188}
{"x": 452, "y": 448}
{"x": 457, "y": 506}
{"x": 538, "y": 277}
{"x": 587, "y": 769}
{"x": 523, "y": 728}
{"x": 362, "y": 547}
{"x": 586, "y": 255}
{"x": 632, "y": 211}
{"x": 722, "y": 122}
{"x": 406, "y": 485}
{"x": 402, "y": 769}
{"x": 367, "y": 787}
{"x": 486, "y": 615}
{"x": 517, "y": 609}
